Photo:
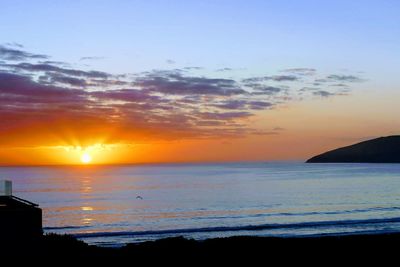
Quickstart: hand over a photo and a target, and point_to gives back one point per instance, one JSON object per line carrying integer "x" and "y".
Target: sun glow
{"x": 96, "y": 154}
{"x": 86, "y": 158}
{"x": 91, "y": 154}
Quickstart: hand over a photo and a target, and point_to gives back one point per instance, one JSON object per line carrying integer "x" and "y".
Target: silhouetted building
{"x": 19, "y": 218}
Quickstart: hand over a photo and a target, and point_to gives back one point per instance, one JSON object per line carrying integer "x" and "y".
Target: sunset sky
{"x": 194, "y": 81}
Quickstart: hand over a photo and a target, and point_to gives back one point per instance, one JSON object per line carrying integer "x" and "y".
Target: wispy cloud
{"x": 276, "y": 78}
{"x": 91, "y": 58}
{"x": 15, "y": 54}
{"x": 174, "y": 83}
{"x": 41, "y": 67}
{"x": 344, "y": 78}
{"x": 301, "y": 71}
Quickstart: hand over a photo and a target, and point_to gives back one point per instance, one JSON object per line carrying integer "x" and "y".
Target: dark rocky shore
{"x": 324, "y": 250}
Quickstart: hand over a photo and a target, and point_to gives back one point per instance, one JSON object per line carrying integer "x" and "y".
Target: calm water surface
{"x": 101, "y": 205}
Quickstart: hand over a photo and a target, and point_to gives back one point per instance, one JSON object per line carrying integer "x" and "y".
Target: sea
{"x": 115, "y": 205}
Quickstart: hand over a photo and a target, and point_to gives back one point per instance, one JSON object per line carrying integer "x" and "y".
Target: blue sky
{"x": 260, "y": 35}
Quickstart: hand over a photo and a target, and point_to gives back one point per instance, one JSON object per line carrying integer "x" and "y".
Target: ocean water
{"x": 114, "y": 205}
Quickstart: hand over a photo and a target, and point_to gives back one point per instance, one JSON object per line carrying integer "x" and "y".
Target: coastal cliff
{"x": 379, "y": 150}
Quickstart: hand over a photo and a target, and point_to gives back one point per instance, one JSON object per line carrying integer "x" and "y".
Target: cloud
{"x": 228, "y": 116}
{"x": 344, "y": 78}
{"x": 278, "y": 129}
{"x": 91, "y": 58}
{"x": 172, "y": 83}
{"x": 261, "y": 89}
{"x": 127, "y": 95}
{"x": 282, "y": 78}
{"x": 15, "y": 54}
{"x": 52, "y": 78}
{"x": 301, "y": 71}
{"x": 224, "y": 69}
{"x": 55, "y": 102}
{"x": 276, "y": 78}
{"x": 243, "y": 104}
{"x": 260, "y": 105}
{"x": 50, "y": 113}
{"x": 323, "y": 93}
{"x": 22, "y": 88}
{"x": 40, "y": 67}
{"x": 193, "y": 68}
{"x": 53, "y": 62}
{"x": 339, "y": 85}
{"x": 307, "y": 89}
{"x": 14, "y": 44}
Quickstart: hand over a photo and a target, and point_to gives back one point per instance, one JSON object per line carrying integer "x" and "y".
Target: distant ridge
{"x": 379, "y": 150}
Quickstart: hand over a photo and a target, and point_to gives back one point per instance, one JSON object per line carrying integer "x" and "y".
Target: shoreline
{"x": 177, "y": 249}
{"x": 327, "y": 236}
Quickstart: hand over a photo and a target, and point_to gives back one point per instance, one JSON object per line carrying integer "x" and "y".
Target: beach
{"x": 267, "y": 250}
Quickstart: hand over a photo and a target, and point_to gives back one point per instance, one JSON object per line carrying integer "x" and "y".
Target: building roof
{"x": 13, "y": 202}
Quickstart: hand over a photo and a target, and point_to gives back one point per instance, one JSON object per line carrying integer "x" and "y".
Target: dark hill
{"x": 379, "y": 150}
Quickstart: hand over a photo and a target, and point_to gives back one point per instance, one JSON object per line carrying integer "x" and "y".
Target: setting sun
{"x": 86, "y": 158}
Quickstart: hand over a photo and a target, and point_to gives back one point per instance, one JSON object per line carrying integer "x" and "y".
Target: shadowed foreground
{"x": 355, "y": 248}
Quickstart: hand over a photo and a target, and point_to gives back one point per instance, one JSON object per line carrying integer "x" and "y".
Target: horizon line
{"x": 150, "y": 163}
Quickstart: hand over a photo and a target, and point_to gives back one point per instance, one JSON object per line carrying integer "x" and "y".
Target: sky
{"x": 194, "y": 81}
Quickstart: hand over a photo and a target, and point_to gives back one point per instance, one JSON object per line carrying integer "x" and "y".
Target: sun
{"x": 86, "y": 158}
